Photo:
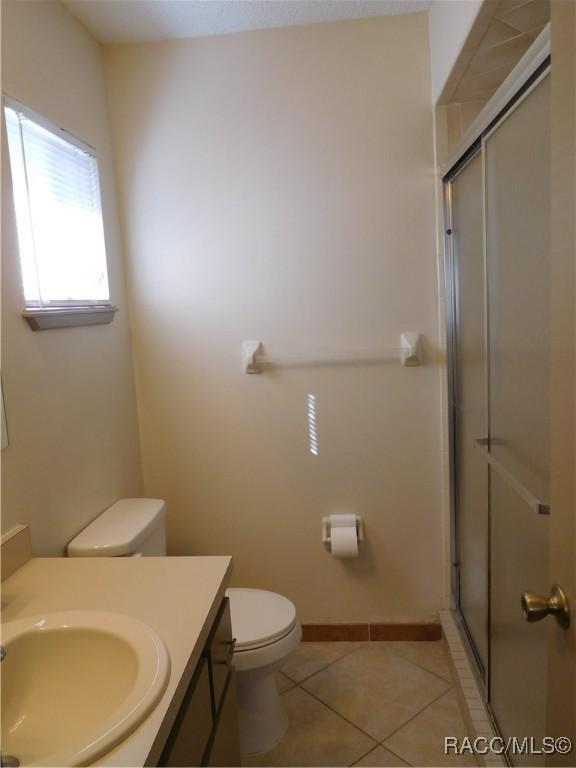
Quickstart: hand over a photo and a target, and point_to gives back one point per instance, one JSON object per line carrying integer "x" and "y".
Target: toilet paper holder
{"x": 326, "y": 524}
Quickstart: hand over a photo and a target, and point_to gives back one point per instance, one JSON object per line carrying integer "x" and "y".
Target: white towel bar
{"x": 409, "y": 353}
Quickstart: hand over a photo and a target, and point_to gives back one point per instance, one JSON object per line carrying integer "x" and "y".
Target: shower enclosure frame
{"x": 476, "y": 147}
{"x": 451, "y": 309}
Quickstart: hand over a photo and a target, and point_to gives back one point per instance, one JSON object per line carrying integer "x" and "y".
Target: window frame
{"x": 68, "y": 312}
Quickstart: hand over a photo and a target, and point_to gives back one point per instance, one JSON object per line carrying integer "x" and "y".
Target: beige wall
{"x": 69, "y": 394}
{"x": 279, "y": 185}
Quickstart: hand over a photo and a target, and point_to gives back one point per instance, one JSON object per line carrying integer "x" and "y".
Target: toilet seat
{"x": 259, "y": 618}
{"x": 268, "y": 658}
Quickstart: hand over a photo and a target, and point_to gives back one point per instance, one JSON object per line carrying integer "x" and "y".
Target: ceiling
{"x": 137, "y": 21}
{"x": 512, "y": 30}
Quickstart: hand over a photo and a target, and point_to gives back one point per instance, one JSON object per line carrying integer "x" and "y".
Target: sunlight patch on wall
{"x": 312, "y": 425}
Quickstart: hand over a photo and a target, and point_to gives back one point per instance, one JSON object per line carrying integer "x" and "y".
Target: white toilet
{"x": 264, "y": 623}
{"x": 267, "y": 632}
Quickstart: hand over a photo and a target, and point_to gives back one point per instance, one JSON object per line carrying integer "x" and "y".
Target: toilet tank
{"x": 129, "y": 527}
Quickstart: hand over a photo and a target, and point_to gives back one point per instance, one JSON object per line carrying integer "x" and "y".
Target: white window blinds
{"x": 58, "y": 214}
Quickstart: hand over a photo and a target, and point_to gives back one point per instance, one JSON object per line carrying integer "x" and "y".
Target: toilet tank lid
{"x": 120, "y": 529}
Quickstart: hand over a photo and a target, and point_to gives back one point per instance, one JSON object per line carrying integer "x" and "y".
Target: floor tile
{"x": 316, "y": 736}
{"x": 283, "y": 683}
{"x": 421, "y": 741}
{"x": 375, "y": 689}
{"x": 430, "y": 655}
{"x": 380, "y": 757}
{"x": 312, "y": 657}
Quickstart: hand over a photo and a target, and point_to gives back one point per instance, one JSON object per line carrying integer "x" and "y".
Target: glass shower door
{"x": 517, "y": 193}
{"x": 499, "y": 204}
{"x": 469, "y": 398}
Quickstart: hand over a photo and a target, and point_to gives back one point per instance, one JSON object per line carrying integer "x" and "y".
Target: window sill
{"x": 46, "y": 319}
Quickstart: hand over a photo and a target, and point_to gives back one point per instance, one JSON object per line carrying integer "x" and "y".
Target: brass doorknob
{"x": 536, "y": 607}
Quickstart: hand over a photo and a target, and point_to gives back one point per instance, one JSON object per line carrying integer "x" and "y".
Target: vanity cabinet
{"x": 224, "y": 749}
{"x": 205, "y": 731}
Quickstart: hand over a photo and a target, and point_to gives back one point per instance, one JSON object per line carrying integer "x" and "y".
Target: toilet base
{"x": 261, "y": 715}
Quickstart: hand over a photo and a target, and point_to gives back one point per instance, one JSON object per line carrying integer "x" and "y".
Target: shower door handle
{"x": 536, "y": 607}
{"x": 538, "y": 506}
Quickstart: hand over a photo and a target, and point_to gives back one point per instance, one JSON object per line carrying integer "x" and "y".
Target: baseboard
{"x": 424, "y": 632}
{"x": 363, "y": 632}
{"x": 326, "y": 632}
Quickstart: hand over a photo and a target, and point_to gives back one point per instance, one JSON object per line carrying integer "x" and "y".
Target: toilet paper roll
{"x": 343, "y": 541}
{"x": 342, "y": 521}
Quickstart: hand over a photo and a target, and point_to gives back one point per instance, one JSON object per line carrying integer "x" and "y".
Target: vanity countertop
{"x": 179, "y": 597}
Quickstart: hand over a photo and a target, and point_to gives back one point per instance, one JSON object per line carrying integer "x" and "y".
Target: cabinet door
{"x": 220, "y": 652}
{"x": 191, "y": 732}
{"x": 225, "y": 749}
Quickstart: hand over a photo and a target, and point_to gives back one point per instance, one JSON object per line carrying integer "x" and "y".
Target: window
{"x": 58, "y": 217}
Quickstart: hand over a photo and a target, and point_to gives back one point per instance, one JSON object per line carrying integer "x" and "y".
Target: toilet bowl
{"x": 267, "y": 631}
{"x": 264, "y": 623}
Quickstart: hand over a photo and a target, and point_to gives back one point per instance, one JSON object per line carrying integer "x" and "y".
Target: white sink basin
{"x": 75, "y": 684}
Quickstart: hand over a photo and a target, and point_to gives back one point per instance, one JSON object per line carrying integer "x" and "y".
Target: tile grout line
{"x": 382, "y": 743}
{"x": 396, "y": 755}
{"x": 416, "y": 664}
{"x": 394, "y": 653}
{"x": 449, "y": 684}
{"x": 289, "y": 688}
{"x": 364, "y": 755}
{"x": 403, "y": 759}
{"x": 357, "y": 727}
{"x": 376, "y": 742}
{"x": 376, "y": 747}
{"x": 329, "y": 664}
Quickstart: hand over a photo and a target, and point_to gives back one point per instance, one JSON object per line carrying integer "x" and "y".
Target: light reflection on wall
{"x": 312, "y": 426}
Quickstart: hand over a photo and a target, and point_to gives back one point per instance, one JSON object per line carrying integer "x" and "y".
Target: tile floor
{"x": 370, "y": 704}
